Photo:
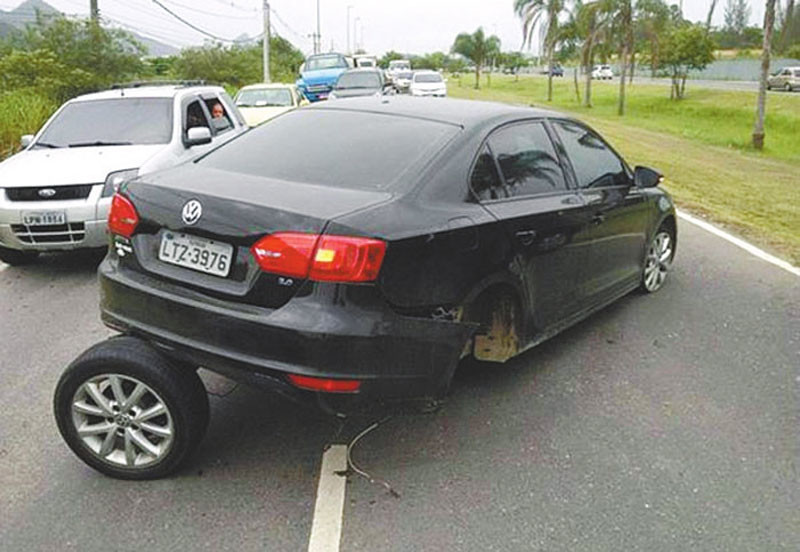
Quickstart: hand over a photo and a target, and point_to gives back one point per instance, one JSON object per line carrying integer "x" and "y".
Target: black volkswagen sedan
{"x": 352, "y": 252}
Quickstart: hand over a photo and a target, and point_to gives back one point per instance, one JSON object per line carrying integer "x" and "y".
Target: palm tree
{"x": 623, "y": 20}
{"x": 769, "y": 23}
{"x": 532, "y": 12}
{"x": 590, "y": 20}
{"x": 478, "y": 48}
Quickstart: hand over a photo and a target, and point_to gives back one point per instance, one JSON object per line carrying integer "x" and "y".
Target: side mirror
{"x": 645, "y": 177}
{"x": 197, "y": 136}
{"x": 26, "y": 140}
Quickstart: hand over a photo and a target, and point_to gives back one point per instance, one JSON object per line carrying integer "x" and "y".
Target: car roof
{"x": 154, "y": 91}
{"x": 464, "y": 113}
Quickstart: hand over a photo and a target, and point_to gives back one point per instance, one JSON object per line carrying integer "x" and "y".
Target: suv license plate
{"x": 45, "y": 218}
{"x": 196, "y": 253}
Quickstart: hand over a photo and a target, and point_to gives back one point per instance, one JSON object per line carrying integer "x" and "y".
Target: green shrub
{"x": 22, "y": 111}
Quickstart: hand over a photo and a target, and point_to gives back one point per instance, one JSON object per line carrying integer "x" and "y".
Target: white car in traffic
{"x": 428, "y": 83}
{"x": 602, "y": 72}
{"x": 55, "y": 195}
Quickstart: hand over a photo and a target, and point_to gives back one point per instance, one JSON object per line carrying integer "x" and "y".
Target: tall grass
{"x": 22, "y": 111}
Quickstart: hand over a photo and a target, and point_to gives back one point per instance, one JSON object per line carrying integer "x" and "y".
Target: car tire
{"x": 658, "y": 260}
{"x": 788, "y": 87}
{"x": 769, "y": 87}
{"x": 128, "y": 412}
{"x": 15, "y": 257}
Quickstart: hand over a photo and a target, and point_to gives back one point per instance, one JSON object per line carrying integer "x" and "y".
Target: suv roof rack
{"x": 139, "y": 84}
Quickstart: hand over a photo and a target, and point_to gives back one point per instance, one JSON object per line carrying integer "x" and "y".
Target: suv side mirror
{"x": 26, "y": 140}
{"x": 645, "y": 177}
{"x": 197, "y": 136}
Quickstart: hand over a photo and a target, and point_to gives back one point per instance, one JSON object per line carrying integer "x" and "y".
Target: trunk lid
{"x": 237, "y": 209}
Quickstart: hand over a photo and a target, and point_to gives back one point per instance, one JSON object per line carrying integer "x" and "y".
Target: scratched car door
{"x": 540, "y": 214}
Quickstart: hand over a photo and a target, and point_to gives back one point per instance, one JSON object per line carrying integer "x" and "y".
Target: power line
{"x": 192, "y": 26}
{"x": 190, "y": 8}
{"x": 231, "y": 4}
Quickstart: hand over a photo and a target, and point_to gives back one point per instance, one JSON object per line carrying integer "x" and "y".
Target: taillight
{"x": 345, "y": 259}
{"x": 122, "y": 219}
{"x": 286, "y": 253}
{"x": 325, "y": 384}
{"x": 322, "y": 258}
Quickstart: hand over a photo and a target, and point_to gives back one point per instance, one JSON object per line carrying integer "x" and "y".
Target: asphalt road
{"x": 665, "y": 422}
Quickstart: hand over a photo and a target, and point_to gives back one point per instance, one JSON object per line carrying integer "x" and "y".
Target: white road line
{"x": 326, "y": 530}
{"x": 750, "y": 248}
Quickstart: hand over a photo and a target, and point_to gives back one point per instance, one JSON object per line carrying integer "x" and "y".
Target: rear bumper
{"x": 335, "y": 331}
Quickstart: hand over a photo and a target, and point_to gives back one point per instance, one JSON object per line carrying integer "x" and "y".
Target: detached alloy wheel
{"x": 657, "y": 261}
{"x": 127, "y": 412}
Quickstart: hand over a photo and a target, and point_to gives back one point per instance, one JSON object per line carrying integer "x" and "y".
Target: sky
{"x": 408, "y": 26}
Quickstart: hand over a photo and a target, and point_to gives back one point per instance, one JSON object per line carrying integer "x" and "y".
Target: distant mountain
{"x": 25, "y": 14}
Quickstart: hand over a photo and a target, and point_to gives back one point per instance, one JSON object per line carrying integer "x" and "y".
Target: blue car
{"x": 319, "y": 75}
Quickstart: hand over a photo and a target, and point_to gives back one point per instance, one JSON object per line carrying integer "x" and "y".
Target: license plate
{"x": 196, "y": 253}
{"x": 44, "y": 218}
{"x": 322, "y": 95}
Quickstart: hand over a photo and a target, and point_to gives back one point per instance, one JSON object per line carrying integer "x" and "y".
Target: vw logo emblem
{"x": 191, "y": 212}
{"x": 47, "y": 192}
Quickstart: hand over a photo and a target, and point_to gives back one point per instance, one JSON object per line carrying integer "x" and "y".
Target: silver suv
{"x": 55, "y": 195}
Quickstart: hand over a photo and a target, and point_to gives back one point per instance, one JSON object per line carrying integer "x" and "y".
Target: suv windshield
{"x": 359, "y": 80}
{"x": 117, "y": 122}
{"x": 358, "y": 158}
{"x": 325, "y": 62}
{"x": 264, "y": 97}
{"x": 428, "y": 77}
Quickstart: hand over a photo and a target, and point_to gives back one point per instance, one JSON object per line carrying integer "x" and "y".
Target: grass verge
{"x": 756, "y": 195}
{"x": 21, "y": 112}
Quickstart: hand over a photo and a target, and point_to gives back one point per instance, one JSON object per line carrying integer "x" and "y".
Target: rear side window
{"x": 485, "y": 180}
{"x": 344, "y": 149}
{"x": 527, "y": 159}
{"x": 595, "y": 165}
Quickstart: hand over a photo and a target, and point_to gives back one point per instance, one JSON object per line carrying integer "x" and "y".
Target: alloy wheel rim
{"x": 659, "y": 258}
{"x": 122, "y": 421}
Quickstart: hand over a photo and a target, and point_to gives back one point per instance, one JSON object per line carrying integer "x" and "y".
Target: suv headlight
{"x": 115, "y": 179}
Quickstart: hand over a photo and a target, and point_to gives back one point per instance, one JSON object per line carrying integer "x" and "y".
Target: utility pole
{"x": 355, "y": 33}
{"x": 349, "y": 51}
{"x": 266, "y": 41}
{"x": 94, "y": 11}
{"x": 318, "y": 41}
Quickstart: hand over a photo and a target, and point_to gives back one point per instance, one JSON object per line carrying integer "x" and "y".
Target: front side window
{"x": 595, "y": 165}
{"x": 485, "y": 180}
{"x": 220, "y": 118}
{"x": 195, "y": 116}
{"x": 125, "y": 121}
{"x": 527, "y": 159}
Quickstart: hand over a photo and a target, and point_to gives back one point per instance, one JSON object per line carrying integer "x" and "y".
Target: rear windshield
{"x": 359, "y": 80}
{"x": 264, "y": 97}
{"x": 325, "y": 62}
{"x": 428, "y": 77}
{"x": 123, "y": 121}
{"x": 342, "y": 149}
